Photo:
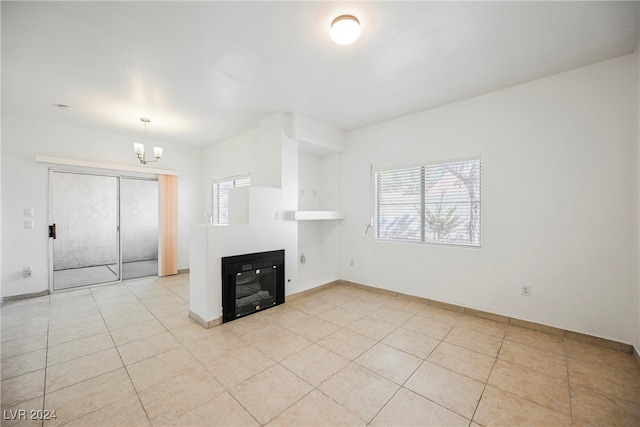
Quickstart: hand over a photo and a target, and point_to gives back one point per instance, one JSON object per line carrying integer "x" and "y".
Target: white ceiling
{"x": 206, "y": 71}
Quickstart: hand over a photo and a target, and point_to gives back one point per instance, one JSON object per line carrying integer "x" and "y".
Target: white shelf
{"x": 313, "y": 215}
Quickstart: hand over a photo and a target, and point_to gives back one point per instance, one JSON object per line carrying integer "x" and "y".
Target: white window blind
{"x": 220, "y": 197}
{"x": 437, "y": 203}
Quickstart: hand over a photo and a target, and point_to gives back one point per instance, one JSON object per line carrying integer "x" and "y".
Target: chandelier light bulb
{"x": 345, "y": 29}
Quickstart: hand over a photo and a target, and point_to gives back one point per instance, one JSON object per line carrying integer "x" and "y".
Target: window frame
{"x": 423, "y": 229}
{"x": 215, "y": 195}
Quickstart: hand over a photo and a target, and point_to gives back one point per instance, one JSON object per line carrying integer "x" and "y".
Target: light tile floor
{"x": 129, "y": 355}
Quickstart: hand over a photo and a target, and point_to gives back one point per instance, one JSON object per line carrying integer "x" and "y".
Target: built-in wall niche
{"x": 317, "y": 186}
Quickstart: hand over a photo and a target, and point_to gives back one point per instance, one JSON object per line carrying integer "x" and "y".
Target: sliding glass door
{"x": 102, "y": 228}
{"x": 84, "y": 229}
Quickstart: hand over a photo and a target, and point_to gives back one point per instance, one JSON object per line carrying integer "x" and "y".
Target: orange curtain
{"x": 168, "y": 187}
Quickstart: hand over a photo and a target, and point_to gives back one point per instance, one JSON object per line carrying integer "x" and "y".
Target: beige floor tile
{"x": 411, "y": 342}
{"x": 407, "y": 304}
{"x": 542, "y": 389}
{"x": 540, "y": 360}
{"x": 109, "y": 291}
{"x": 429, "y": 327}
{"x": 176, "y": 320}
{"x": 88, "y": 396}
{"x": 604, "y": 379}
{"x": 407, "y": 408}
{"x": 485, "y": 326}
{"x": 372, "y": 328}
{"x": 340, "y": 316}
{"x": 314, "y": 329}
{"x": 124, "y": 412}
{"x": 192, "y": 332}
{"x": 72, "y": 333}
{"x": 174, "y": 397}
{"x": 347, "y": 344}
{"x": 181, "y": 307}
{"x": 359, "y": 390}
{"x": 156, "y": 369}
{"x": 312, "y": 307}
{"x": 360, "y": 306}
{"x": 330, "y": 296}
{"x": 316, "y": 410}
{"x": 23, "y": 331}
{"x": 81, "y": 369}
{"x": 22, "y": 346}
{"x": 286, "y": 317}
{"x": 214, "y": 346}
{"x": 121, "y": 320}
{"x": 23, "y": 388}
{"x": 450, "y": 389}
{"x": 476, "y": 341}
{"x": 440, "y": 314}
{"x": 21, "y": 415}
{"x": 595, "y": 409}
{"x": 536, "y": 339}
{"x": 281, "y": 386}
{"x": 129, "y": 300}
{"x": 391, "y": 363}
{"x": 236, "y": 366}
{"x": 78, "y": 348}
{"x": 161, "y": 300}
{"x": 601, "y": 355}
{"x": 390, "y": 315}
{"x": 69, "y": 320}
{"x": 463, "y": 361}
{"x": 221, "y": 411}
{"x": 500, "y": 408}
{"x": 147, "y": 347}
{"x": 282, "y": 344}
{"x": 315, "y": 364}
{"x": 135, "y": 332}
{"x": 23, "y": 364}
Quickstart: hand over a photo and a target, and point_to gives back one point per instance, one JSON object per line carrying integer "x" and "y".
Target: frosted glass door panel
{"x": 139, "y": 227}
{"x": 85, "y": 212}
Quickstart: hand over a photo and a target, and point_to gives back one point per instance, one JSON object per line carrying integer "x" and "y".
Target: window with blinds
{"x": 437, "y": 203}
{"x": 220, "y": 196}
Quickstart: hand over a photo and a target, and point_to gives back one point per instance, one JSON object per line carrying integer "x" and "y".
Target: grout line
{"x": 495, "y": 360}
{"x": 120, "y": 356}
{"x": 46, "y": 370}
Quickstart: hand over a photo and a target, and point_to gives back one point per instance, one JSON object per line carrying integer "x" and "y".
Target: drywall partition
{"x": 255, "y": 212}
{"x": 559, "y": 202}
{"x": 25, "y": 185}
{"x": 314, "y": 135}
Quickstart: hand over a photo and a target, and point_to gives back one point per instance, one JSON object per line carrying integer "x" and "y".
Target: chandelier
{"x": 141, "y": 149}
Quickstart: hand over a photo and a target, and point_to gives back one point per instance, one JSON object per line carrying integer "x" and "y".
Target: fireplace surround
{"x": 251, "y": 283}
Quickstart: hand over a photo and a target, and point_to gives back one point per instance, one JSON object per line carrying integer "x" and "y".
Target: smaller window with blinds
{"x": 220, "y": 196}
{"x": 438, "y": 203}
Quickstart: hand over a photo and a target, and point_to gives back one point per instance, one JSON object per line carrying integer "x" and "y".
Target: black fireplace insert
{"x": 251, "y": 282}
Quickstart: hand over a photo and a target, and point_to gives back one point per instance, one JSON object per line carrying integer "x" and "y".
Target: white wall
{"x": 559, "y": 202}
{"x": 25, "y": 184}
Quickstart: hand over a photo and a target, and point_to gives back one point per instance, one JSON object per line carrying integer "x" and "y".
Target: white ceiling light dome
{"x": 345, "y": 29}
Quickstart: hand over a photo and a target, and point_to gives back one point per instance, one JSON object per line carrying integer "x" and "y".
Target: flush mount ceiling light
{"x": 141, "y": 149}
{"x": 345, "y": 29}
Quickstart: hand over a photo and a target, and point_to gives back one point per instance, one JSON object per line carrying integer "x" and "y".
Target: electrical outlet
{"x": 526, "y": 291}
{"x": 26, "y": 271}
{"x": 352, "y": 263}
